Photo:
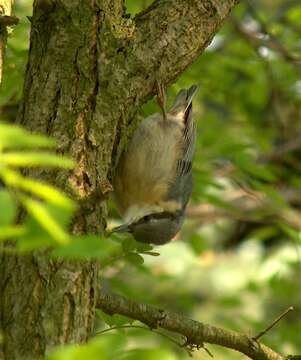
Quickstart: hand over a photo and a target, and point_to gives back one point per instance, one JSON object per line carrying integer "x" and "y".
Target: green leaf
{"x": 7, "y": 208}
{"x": 219, "y": 202}
{"x": 129, "y": 244}
{"x": 151, "y": 253}
{"x": 114, "y": 320}
{"x": 271, "y": 192}
{"x": 134, "y": 259}
{"x": 198, "y": 243}
{"x": 294, "y": 14}
{"x": 35, "y": 237}
{"x": 31, "y": 159}
{"x": 264, "y": 233}
{"x": 46, "y": 192}
{"x": 13, "y": 137}
{"x": 247, "y": 164}
{"x": 43, "y": 216}
{"x": 291, "y": 232}
{"x": 88, "y": 246}
{"x": 9, "y": 232}
{"x": 141, "y": 247}
{"x": 102, "y": 347}
{"x": 149, "y": 354}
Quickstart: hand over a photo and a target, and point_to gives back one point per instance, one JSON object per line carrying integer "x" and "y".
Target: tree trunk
{"x": 89, "y": 70}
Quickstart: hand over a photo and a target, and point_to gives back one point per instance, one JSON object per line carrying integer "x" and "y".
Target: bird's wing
{"x": 182, "y": 187}
{"x": 183, "y": 104}
{"x": 185, "y": 163}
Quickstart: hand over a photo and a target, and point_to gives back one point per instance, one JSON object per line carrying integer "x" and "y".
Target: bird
{"x": 153, "y": 180}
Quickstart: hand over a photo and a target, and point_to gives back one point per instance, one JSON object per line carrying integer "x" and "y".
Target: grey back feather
{"x": 182, "y": 187}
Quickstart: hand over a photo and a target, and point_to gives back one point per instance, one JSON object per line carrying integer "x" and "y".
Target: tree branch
{"x": 168, "y": 36}
{"x": 195, "y": 332}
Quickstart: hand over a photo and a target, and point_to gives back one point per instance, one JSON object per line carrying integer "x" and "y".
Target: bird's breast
{"x": 148, "y": 167}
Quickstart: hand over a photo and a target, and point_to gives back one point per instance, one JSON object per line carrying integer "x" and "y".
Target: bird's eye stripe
{"x": 158, "y": 216}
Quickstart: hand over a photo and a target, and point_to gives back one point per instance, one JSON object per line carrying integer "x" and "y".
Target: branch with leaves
{"x": 194, "y": 332}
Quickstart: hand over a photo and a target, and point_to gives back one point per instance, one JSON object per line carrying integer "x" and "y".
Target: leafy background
{"x": 236, "y": 263}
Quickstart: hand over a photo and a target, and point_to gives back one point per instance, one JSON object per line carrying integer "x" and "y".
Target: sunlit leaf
{"x": 89, "y": 246}
{"x": 41, "y": 213}
{"x": 7, "y": 208}
{"x": 150, "y": 354}
{"x": 114, "y": 320}
{"x": 104, "y": 347}
{"x": 14, "y": 179}
{"x": 9, "y": 232}
{"x": 35, "y": 237}
{"x": 13, "y": 137}
{"x": 31, "y": 159}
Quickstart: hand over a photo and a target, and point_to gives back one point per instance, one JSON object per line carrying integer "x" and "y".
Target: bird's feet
{"x": 161, "y": 98}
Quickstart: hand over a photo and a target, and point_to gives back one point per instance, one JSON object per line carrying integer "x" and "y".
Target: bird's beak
{"x": 121, "y": 229}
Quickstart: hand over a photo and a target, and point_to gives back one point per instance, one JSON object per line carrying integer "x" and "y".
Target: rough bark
{"x": 89, "y": 70}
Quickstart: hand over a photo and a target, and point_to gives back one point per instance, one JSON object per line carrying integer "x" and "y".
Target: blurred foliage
{"x": 236, "y": 262}
{"x": 44, "y": 218}
{"x": 36, "y": 214}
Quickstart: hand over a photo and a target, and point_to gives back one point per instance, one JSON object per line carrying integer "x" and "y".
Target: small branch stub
{"x": 6, "y": 20}
{"x": 281, "y": 316}
{"x": 161, "y": 97}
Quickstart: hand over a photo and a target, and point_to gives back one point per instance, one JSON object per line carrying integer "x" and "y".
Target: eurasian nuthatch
{"x": 153, "y": 181}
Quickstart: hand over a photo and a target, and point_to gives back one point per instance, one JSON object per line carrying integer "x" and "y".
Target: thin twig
{"x": 255, "y": 338}
{"x": 117, "y": 327}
